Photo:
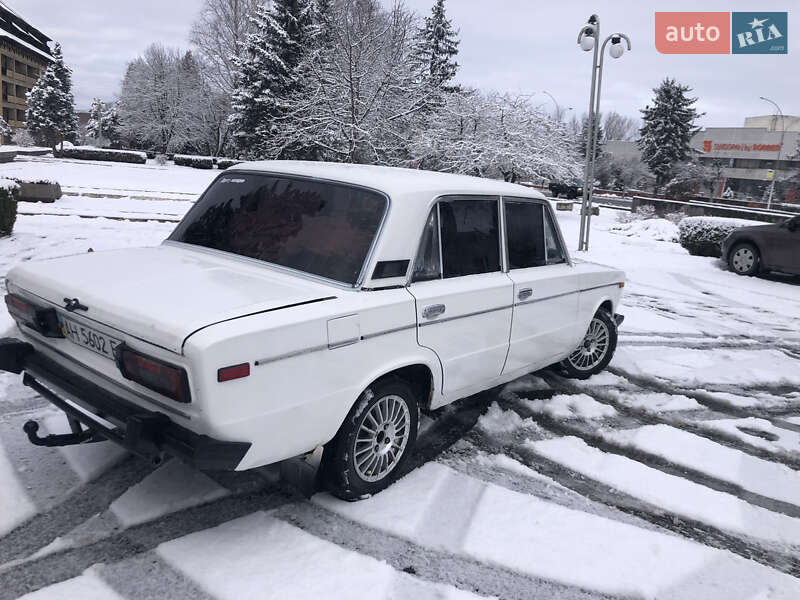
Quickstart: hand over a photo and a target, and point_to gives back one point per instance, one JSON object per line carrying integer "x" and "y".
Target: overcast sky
{"x": 510, "y": 45}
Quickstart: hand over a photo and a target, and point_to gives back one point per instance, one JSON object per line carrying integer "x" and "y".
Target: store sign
{"x": 721, "y": 32}
{"x": 710, "y": 146}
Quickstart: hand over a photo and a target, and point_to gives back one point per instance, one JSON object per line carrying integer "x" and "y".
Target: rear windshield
{"x": 317, "y": 227}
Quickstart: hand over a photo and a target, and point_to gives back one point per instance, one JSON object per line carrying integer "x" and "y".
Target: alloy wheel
{"x": 382, "y": 438}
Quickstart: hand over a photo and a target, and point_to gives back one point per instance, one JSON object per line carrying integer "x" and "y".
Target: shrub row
{"x": 8, "y": 205}
{"x": 196, "y": 162}
{"x": 92, "y": 153}
{"x": 703, "y": 236}
{"x": 224, "y": 163}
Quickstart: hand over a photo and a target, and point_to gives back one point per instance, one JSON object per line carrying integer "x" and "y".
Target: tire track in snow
{"x": 424, "y": 562}
{"x": 651, "y": 418}
{"x": 59, "y": 566}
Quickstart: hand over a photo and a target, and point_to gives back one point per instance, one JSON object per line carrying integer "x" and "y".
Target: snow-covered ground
{"x": 672, "y": 475}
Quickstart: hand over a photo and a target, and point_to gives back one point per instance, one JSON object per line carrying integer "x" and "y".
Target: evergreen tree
{"x": 64, "y": 75}
{"x": 94, "y": 126}
{"x": 50, "y": 116}
{"x": 584, "y": 136}
{"x": 436, "y": 49}
{"x": 268, "y": 71}
{"x": 668, "y": 127}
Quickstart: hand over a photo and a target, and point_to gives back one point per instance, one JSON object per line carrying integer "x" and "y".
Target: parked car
{"x": 300, "y": 305}
{"x": 773, "y": 247}
{"x": 570, "y": 190}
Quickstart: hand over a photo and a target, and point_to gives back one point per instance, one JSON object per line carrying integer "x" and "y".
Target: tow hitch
{"x": 82, "y": 436}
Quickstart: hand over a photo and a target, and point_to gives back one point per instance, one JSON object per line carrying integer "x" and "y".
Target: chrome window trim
{"x": 367, "y": 258}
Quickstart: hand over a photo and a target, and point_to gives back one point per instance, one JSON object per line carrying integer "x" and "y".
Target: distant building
{"x": 24, "y": 55}
{"x": 766, "y": 147}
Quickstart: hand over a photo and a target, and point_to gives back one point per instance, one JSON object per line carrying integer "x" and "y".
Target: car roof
{"x": 393, "y": 181}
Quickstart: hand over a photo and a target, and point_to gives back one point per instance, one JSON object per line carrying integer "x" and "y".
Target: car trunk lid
{"x": 164, "y": 294}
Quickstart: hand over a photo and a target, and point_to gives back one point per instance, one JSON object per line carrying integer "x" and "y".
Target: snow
{"x": 696, "y": 368}
{"x": 734, "y": 466}
{"x": 655, "y": 401}
{"x": 680, "y": 496}
{"x": 753, "y": 431}
{"x": 8, "y": 184}
{"x": 259, "y": 556}
{"x": 84, "y": 587}
{"x": 87, "y": 460}
{"x": 496, "y": 420}
{"x": 173, "y": 486}
{"x": 579, "y": 406}
{"x": 16, "y": 506}
{"x": 438, "y": 508}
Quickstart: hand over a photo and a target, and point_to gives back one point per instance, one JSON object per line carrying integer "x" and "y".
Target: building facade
{"x": 24, "y": 55}
{"x": 767, "y": 148}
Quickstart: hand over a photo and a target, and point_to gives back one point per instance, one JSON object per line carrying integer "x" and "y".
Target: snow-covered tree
{"x": 268, "y": 71}
{"x": 436, "y": 47}
{"x": 104, "y": 125}
{"x": 495, "y": 135}
{"x": 691, "y": 178}
{"x": 359, "y": 96}
{"x": 583, "y": 136}
{"x": 219, "y": 34}
{"x": 94, "y": 126}
{"x": 64, "y": 74}
{"x": 5, "y": 130}
{"x": 668, "y": 127}
{"x": 50, "y": 116}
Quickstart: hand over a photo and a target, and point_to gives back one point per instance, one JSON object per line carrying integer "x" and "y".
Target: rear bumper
{"x": 149, "y": 434}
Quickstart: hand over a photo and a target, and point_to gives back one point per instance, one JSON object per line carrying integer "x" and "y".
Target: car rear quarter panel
{"x": 300, "y": 388}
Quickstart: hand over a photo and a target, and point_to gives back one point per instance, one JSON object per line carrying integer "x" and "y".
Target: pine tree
{"x": 94, "y": 126}
{"x": 436, "y": 49}
{"x": 50, "y": 116}
{"x": 268, "y": 71}
{"x": 584, "y": 136}
{"x": 667, "y": 129}
{"x": 64, "y": 75}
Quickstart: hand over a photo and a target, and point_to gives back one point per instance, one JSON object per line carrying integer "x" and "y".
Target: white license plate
{"x": 88, "y": 337}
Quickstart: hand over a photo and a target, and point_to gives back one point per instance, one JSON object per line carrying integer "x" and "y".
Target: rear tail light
{"x": 164, "y": 378}
{"x": 233, "y": 372}
{"x": 43, "y": 320}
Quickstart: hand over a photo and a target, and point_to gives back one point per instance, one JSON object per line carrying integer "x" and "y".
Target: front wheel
{"x": 595, "y": 350}
{"x": 744, "y": 259}
{"x": 374, "y": 442}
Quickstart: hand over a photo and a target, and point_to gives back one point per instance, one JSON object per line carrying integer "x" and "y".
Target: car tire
{"x": 358, "y": 462}
{"x": 744, "y": 259}
{"x": 595, "y": 350}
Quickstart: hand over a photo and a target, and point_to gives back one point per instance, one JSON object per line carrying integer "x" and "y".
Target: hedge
{"x": 703, "y": 236}
{"x": 224, "y": 163}
{"x": 92, "y": 153}
{"x": 8, "y": 205}
{"x": 196, "y": 162}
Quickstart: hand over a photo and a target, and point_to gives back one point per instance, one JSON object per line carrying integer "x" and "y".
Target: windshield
{"x": 318, "y": 227}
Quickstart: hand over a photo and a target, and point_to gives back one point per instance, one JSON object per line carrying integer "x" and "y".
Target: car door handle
{"x": 433, "y": 311}
{"x": 525, "y": 293}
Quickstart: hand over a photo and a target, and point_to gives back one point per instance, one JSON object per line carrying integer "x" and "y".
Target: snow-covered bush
{"x": 196, "y": 162}
{"x": 160, "y": 159}
{"x": 225, "y": 163}
{"x": 24, "y": 138}
{"x": 8, "y": 205}
{"x": 703, "y": 236}
{"x": 660, "y": 230}
{"x": 91, "y": 153}
{"x": 643, "y": 213}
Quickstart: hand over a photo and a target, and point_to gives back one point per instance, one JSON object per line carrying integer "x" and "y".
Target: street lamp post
{"x": 780, "y": 147}
{"x": 587, "y": 39}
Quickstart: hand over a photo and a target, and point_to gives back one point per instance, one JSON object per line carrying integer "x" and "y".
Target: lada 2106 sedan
{"x": 300, "y": 305}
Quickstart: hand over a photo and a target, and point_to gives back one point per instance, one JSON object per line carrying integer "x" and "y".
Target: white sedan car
{"x": 300, "y": 305}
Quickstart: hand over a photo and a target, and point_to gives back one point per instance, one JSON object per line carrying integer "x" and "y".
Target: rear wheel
{"x": 374, "y": 442}
{"x": 595, "y": 350}
{"x": 744, "y": 259}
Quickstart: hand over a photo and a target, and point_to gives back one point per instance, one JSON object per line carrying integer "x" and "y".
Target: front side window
{"x": 470, "y": 235}
{"x": 321, "y": 228}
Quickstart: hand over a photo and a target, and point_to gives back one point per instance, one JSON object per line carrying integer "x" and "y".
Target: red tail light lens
{"x": 166, "y": 379}
{"x": 234, "y": 372}
{"x": 21, "y": 308}
{"x": 43, "y": 320}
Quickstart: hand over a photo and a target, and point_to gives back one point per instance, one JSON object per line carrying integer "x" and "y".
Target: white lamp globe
{"x": 616, "y": 50}
{"x": 587, "y": 42}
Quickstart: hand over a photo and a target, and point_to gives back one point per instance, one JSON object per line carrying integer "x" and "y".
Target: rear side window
{"x": 428, "y": 263}
{"x": 555, "y": 253}
{"x": 525, "y": 232}
{"x": 470, "y": 235}
{"x": 321, "y": 228}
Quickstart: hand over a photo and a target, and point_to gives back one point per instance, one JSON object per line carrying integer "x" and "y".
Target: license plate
{"x": 88, "y": 337}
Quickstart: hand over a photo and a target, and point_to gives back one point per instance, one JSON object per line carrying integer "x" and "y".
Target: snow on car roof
{"x": 393, "y": 181}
